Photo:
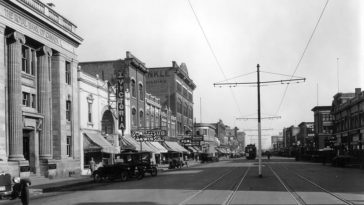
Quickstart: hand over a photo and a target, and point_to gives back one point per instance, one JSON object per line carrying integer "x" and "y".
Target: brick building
{"x": 323, "y": 126}
{"x": 38, "y": 94}
{"x": 175, "y": 89}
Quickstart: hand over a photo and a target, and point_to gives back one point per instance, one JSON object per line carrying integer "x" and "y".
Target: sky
{"x": 224, "y": 40}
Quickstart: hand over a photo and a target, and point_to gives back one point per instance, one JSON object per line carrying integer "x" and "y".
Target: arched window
{"x": 134, "y": 116}
{"x": 133, "y": 93}
{"x": 141, "y": 117}
{"x": 141, "y": 93}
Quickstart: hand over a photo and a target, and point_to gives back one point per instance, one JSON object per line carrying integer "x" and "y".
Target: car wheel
{"x": 154, "y": 172}
{"x": 124, "y": 176}
{"x": 97, "y": 177}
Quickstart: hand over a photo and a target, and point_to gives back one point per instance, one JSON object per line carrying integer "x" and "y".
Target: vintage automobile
{"x": 14, "y": 188}
{"x": 127, "y": 165}
{"x": 208, "y": 157}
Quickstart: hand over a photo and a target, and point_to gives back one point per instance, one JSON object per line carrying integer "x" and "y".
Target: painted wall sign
{"x": 120, "y": 94}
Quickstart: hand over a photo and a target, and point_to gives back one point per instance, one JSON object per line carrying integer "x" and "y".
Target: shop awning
{"x": 176, "y": 147}
{"x": 197, "y": 149}
{"x": 192, "y": 149}
{"x": 99, "y": 140}
{"x": 124, "y": 144}
{"x": 131, "y": 141}
{"x": 159, "y": 147}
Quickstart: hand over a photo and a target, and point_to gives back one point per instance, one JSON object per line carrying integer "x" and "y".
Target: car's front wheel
{"x": 124, "y": 176}
{"x": 154, "y": 172}
{"x": 97, "y": 177}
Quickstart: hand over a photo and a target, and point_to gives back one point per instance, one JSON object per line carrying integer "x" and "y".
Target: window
{"x": 133, "y": 94}
{"x": 90, "y": 112}
{"x": 141, "y": 117}
{"x": 141, "y": 96}
{"x": 69, "y": 146}
{"x": 184, "y": 93}
{"x": 134, "y": 121}
{"x": 24, "y": 59}
{"x": 179, "y": 88}
{"x": 33, "y": 101}
{"x": 68, "y": 110}
{"x": 26, "y": 99}
{"x": 68, "y": 73}
{"x": 179, "y": 106}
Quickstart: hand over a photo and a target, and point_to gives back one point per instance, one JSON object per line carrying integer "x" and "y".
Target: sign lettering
{"x": 121, "y": 101}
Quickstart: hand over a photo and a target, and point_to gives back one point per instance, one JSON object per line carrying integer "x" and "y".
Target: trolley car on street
{"x": 250, "y": 151}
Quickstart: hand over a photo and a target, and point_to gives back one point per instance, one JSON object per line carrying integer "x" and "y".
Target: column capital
{"x": 44, "y": 50}
{"x": 17, "y": 37}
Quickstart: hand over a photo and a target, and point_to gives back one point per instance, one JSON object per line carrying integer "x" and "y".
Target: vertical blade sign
{"x": 121, "y": 101}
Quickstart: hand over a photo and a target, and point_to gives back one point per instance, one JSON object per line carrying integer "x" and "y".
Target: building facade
{"x": 323, "y": 126}
{"x": 277, "y": 142}
{"x": 134, "y": 74}
{"x": 348, "y": 112}
{"x": 98, "y": 122}
{"x": 306, "y": 136}
{"x": 175, "y": 89}
{"x": 38, "y": 68}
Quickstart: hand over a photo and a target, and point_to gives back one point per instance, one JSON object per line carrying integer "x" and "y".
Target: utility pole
{"x": 258, "y": 83}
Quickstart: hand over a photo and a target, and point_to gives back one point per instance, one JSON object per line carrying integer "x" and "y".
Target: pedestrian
{"x": 92, "y": 165}
{"x": 268, "y": 155}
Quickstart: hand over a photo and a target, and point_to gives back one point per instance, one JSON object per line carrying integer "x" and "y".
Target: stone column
{"x": 3, "y": 104}
{"x": 44, "y": 97}
{"x": 15, "y": 96}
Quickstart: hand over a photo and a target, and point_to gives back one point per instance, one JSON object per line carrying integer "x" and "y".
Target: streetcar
{"x": 250, "y": 151}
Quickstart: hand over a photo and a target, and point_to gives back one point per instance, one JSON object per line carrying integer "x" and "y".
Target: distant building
{"x": 306, "y": 135}
{"x": 175, "y": 89}
{"x": 277, "y": 142}
{"x": 323, "y": 126}
{"x": 241, "y": 141}
{"x": 348, "y": 112}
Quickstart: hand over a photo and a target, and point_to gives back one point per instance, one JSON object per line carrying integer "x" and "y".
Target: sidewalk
{"x": 43, "y": 185}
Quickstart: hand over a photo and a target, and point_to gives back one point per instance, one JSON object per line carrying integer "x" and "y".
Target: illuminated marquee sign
{"x": 121, "y": 101}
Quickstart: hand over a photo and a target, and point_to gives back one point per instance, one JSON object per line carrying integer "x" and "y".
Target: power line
{"x": 303, "y": 53}
{"x": 212, "y": 51}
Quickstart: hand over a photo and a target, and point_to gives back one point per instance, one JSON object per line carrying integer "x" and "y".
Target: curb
{"x": 54, "y": 187}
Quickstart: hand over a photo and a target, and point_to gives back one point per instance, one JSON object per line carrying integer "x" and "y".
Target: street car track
{"x": 229, "y": 198}
{"x": 296, "y": 196}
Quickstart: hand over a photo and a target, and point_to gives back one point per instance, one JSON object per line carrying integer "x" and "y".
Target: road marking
{"x": 231, "y": 196}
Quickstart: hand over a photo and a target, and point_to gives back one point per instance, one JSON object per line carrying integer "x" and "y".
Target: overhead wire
{"x": 212, "y": 51}
{"x": 303, "y": 54}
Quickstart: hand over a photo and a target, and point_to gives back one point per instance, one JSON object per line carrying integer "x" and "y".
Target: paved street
{"x": 284, "y": 181}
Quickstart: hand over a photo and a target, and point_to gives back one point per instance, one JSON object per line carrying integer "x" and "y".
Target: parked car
{"x": 14, "y": 188}
{"x": 129, "y": 165}
{"x": 345, "y": 160}
{"x": 208, "y": 157}
{"x": 138, "y": 159}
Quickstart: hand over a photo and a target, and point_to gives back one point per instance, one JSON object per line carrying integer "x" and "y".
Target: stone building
{"x": 348, "y": 112}
{"x": 175, "y": 89}
{"x": 38, "y": 93}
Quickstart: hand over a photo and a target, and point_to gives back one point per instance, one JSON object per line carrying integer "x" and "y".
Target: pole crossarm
{"x": 254, "y": 118}
{"x": 262, "y": 82}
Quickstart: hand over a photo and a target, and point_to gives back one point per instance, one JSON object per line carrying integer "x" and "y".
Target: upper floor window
{"x": 134, "y": 116}
{"x": 179, "y": 88}
{"x": 133, "y": 93}
{"x": 69, "y": 146}
{"x": 27, "y": 64}
{"x": 29, "y": 100}
{"x": 179, "y": 106}
{"x": 141, "y": 117}
{"x": 89, "y": 112}
{"x": 68, "y": 110}
{"x": 68, "y": 73}
{"x": 141, "y": 94}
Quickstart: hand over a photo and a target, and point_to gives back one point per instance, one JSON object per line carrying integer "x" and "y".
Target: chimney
{"x": 174, "y": 64}
{"x": 357, "y": 91}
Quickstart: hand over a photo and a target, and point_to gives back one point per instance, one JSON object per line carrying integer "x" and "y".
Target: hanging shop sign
{"x": 186, "y": 141}
{"x": 150, "y": 135}
{"x": 121, "y": 100}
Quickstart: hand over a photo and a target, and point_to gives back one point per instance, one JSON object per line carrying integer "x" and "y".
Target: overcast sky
{"x": 241, "y": 34}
